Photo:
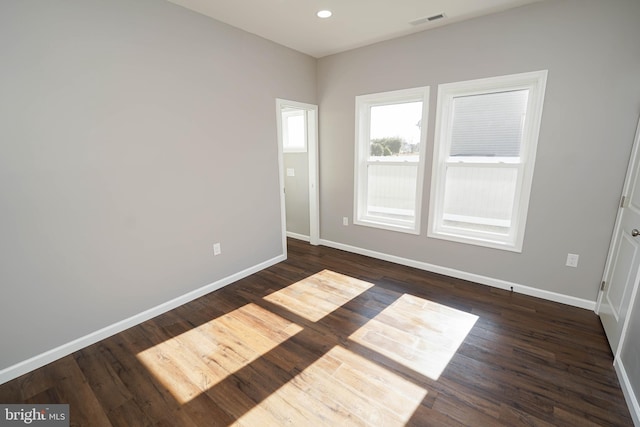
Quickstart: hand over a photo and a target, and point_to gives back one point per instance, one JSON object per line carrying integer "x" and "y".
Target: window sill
{"x": 486, "y": 242}
{"x": 409, "y": 229}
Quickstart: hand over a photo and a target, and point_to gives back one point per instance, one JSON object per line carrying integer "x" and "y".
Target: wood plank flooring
{"x": 329, "y": 338}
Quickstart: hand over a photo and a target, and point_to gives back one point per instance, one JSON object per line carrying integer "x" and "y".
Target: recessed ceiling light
{"x": 324, "y": 14}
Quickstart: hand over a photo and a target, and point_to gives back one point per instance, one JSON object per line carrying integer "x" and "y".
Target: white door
{"x": 623, "y": 262}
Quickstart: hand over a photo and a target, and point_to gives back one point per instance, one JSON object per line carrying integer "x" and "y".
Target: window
{"x": 294, "y": 130}
{"x": 484, "y": 153}
{"x": 390, "y": 141}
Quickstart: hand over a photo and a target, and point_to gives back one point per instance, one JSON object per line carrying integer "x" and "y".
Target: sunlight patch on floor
{"x": 340, "y": 388}
{"x": 417, "y": 333}
{"x": 317, "y": 296}
{"x": 198, "y": 359}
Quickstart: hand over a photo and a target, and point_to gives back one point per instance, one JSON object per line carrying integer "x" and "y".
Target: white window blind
{"x": 488, "y": 125}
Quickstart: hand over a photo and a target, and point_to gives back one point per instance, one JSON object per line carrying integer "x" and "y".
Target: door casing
{"x": 312, "y": 149}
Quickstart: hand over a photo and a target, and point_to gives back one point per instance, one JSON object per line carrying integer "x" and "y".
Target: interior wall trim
{"x": 63, "y": 350}
{"x": 298, "y": 236}
{"x": 627, "y": 390}
{"x": 451, "y": 272}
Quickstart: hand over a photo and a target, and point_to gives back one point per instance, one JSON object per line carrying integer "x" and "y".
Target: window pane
{"x": 479, "y": 198}
{"x": 395, "y": 131}
{"x": 488, "y": 125}
{"x": 392, "y": 191}
{"x": 295, "y": 127}
{"x": 294, "y": 133}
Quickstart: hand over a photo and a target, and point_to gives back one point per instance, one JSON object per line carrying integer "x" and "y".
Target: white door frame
{"x": 312, "y": 154}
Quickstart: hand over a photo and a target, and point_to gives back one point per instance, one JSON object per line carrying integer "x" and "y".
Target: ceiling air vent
{"x": 427, "y": 19}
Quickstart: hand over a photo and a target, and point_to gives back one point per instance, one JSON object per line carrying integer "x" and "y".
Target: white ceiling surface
{"x": 355, "y": 23}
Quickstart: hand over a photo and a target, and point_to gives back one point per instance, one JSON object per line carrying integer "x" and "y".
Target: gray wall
{"x": 297, "y": 193}
{"x": 591, "y": 50}
{"x": 133, "y": 135}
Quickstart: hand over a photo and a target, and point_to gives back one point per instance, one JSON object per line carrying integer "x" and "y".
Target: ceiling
{"x": 355, "y": 23}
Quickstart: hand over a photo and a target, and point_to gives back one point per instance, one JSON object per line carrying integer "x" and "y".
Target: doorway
{"x": 297, "y": 125}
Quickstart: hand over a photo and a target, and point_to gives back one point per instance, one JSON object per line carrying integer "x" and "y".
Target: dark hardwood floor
{"x": 336, "y": 339}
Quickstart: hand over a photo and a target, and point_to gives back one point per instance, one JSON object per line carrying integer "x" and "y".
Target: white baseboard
{"x": 298, "y": 236}
{"x": 49, "y": 356}
{"x": 489, "y": 281}
{"x": 627, "y": 390}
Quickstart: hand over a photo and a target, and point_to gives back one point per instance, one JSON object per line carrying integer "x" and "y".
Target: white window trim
{"x": 362, "y": 147}
{"x": 536, "y": 83}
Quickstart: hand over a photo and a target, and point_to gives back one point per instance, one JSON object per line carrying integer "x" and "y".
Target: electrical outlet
{"x": 217, "y": 250}
{"x": 572, "y": 260}
{"x": 345, "y": 220}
